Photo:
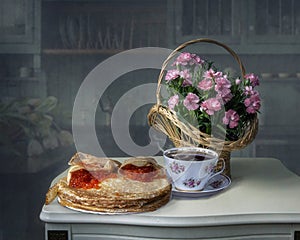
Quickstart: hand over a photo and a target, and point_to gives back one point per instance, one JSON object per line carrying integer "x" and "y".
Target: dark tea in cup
{"x": 189, "y": 155}
{"x": 190, "y": 168}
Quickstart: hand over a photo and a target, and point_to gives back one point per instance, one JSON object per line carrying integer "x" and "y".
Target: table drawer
{"x": 109, "y": 237}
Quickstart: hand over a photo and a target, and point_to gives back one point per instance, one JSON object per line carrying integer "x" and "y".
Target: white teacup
{"x": 190, "y": 168}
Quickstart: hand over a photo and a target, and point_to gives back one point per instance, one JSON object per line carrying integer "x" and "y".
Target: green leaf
{"x": 47, "y": 105}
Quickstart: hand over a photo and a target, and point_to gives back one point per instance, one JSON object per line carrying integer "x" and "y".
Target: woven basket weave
{"x": 166, "y": 120}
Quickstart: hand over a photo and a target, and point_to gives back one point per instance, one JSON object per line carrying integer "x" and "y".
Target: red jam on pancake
{"x": 84, "y": 179}
{"x": 139, "y": 173}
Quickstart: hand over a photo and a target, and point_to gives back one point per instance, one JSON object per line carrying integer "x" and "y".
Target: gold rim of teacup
{"x": 181, "y": 190}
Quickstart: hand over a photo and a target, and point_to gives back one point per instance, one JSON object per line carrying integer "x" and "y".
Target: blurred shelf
{"x": 280, "y": 79}
{"x": 80, "y": 51}
{"x": 19, "y": 79}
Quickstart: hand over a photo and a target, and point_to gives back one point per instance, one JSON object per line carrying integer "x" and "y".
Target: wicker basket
{"x": 166, "y": 120}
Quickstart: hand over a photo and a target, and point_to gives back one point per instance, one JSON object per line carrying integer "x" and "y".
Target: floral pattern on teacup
{"x": 216, "y": 184}
{"x": 209, "y": 168}
{"x": 177, "y": 168}
{"x": 191, "y": 182}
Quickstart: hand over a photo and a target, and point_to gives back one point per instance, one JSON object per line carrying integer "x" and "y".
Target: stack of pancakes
{"x": 116, "y": 194}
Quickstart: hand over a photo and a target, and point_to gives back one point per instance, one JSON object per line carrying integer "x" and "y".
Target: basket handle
{"x": 180, "y": 47}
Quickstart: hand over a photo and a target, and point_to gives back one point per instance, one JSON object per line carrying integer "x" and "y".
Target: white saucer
{"x": 215, "y": 185}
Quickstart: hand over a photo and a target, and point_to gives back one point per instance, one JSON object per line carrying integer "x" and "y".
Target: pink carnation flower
{"x": 253, "y": 79}
{"x": 187, "y": 58}
{"x": 231, "y": 118}
{"x": 197, "y": 59}
{"x": 249, "y": 91}
{"x": 173, "y": 101}
{"x": 205, "y": 84}
{"x": 210, "y": 74}
{"x": 226, "y": 96}
{"x": 183, "y": 58}
{"x": 222, "y": 84}
{"x": 222, "y": 87}
{"x": 211, "y": 105}
{"x": 191, "y": 101}
{"x": 252, "y": 103}
{"x": 185, "y": 74}
{"x": 172, "y": 74}
{"x": 238, "y": 81}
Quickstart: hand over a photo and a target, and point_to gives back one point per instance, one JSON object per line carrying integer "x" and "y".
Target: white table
{"x": 263, "y": 202}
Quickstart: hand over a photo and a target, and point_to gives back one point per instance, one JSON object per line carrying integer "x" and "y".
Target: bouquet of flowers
{"x": 198, "y": 90}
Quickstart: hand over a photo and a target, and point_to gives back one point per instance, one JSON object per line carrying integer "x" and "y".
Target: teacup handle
{"x": 220, "y": 171}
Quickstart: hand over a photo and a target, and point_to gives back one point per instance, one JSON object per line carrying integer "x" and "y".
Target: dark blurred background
{"x": 48, "y": 47}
